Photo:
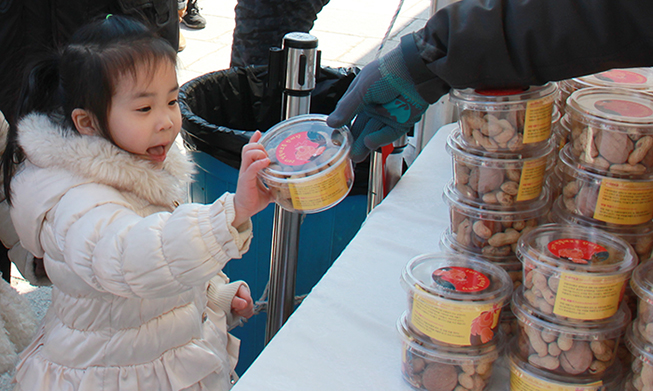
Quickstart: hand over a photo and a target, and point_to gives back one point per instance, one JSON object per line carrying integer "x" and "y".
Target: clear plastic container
{"x": 511, "y": 121}
{"x": 433, "y": 367}
{"x": 310, "y": 169}
{"x": 498, "y": 178}
{"x": 453, "y": 299}
{"x": 563, "y": 347}
{"x": 641, "y": 367}
{"x": 509, "y": 263}
{"x": 492, "y": 230}
{"x": 527, "y": 377}
{"x": 642, "y": 285}
{"x": 575, "y": 273}
{"x": 622, "y": 201}
{"x": 640, "y": 236}
{"x": 612, "y": 131}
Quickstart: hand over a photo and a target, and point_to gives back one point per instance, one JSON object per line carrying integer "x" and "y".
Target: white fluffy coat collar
{"x": 47, "y": 144}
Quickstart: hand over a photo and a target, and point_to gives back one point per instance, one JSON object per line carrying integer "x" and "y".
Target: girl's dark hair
{"x": 84, "y": 75}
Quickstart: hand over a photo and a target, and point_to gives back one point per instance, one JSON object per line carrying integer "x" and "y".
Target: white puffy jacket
{"x": 130, "y": 271}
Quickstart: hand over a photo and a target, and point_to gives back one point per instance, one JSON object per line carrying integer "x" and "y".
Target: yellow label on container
{"x": 456, "y": 323}
{"x": 588, "y": 297}
{"x": 522, "y": 381}
{"x": 623, "y": 202}
{"x": 537, "y": 123}
{"x": 532, "y": 176}
{"x": 322, "y": 191}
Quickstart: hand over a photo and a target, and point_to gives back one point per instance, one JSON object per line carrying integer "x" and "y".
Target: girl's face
{"x": 144, "y": 116}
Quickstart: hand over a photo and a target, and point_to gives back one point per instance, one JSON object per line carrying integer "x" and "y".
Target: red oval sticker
{"x": 578, "y": 250}
{"x": 301, "y": 148}
{"x": 461, "y": 279}
{"x": 623, "y": 108}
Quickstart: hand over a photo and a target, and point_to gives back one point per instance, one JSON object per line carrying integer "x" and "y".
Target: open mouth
{"x": 157, "y": 153}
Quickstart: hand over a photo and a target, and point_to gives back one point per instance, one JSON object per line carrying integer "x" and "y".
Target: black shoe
{"x": 192, "y": 17}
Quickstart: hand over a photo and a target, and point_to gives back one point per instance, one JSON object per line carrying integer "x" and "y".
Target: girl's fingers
{"x": 255, "y": 137}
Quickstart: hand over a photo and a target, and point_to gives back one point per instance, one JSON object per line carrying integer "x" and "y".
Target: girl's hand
{"x": 251, "y": 196}
{"x": 242, "y": 304}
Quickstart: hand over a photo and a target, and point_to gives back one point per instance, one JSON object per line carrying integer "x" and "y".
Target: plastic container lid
{"x": 456, "y": 278}
{"x": 638, "y": 346}
{"x": 629, "y": 78}
{"x": 642, "y": 282}
{"x": 448, "y": 243}
{"x": 613, "y": 108}
{"x": 303, "y": 144}
{"x": 445, "y": 353}
{"x": 456, "y": 148}
{"x": 518, "y": 211}
{"x": 576, "y": 250}
{"x": 472, "y": 96}
{"x": 607, "y": 328}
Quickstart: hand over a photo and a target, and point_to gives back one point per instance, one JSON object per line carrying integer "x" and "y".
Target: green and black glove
{"x": 384, "y": 97}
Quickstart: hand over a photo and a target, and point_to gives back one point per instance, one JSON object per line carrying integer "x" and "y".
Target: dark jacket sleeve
{"x": 509, "y": 43}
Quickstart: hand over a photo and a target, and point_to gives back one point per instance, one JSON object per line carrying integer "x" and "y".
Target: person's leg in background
{"x": 181, "y": 9}
{"x": 262, "y": 24}
{"x": 192, "y": 17}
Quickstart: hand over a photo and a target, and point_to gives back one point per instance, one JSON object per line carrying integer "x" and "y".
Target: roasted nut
{"x": 577, "y": 359}
{"x": 439, "y": 377}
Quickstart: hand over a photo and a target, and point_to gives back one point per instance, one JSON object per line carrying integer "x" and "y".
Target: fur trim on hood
{"x": 47, "y": 144}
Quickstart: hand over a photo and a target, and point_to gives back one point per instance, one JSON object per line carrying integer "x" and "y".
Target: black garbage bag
{"x": 221, "y": 110}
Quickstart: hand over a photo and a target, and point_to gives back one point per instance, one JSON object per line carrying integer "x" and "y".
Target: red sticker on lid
{"x": 461, "y": 279}
{"x": 621, "y": 76}
{"x": 301, "y": 148}
{"x": 498, "y": 92}
{"x": 623, "y": 108}
{"x": 578, "y": 250}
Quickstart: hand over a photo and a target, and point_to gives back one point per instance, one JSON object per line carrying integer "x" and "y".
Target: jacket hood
{"x": 49, "y": 145}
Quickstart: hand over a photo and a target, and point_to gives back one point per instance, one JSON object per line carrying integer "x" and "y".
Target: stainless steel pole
{"x": 375, "y": 181}
{"x": 301, "y": 57}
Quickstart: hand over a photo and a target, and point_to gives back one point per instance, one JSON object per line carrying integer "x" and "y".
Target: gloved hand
{"x": 386, "y": 101}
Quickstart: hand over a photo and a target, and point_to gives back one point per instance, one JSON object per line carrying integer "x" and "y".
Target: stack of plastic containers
{"x": 569, "y": 310}
{"x": 639, "y": 338}
{"x": 605, "y": 173}
{"x": 501, "y": 153}
{"x": 450, "y": 333}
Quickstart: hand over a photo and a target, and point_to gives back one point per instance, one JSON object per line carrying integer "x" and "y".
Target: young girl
{"x": 95, "y": 178}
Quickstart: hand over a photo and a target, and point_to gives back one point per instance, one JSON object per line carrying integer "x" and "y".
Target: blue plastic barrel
{"x": 323, "y": 236}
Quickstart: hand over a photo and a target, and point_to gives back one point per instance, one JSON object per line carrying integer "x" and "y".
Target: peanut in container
{"x": 499, "y": 178}
{"x": 455, "y": 300}
{"x": 612, "y": 131}
{"x": 567, "y": 348}
{"x": 435, "y": 367}
{"x": 573, "y": 273}
{"x": 310, "y": 169}
{"x": 507, "y": 121}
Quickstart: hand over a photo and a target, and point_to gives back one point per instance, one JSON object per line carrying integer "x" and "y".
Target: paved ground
{"x": 349, "y": 33}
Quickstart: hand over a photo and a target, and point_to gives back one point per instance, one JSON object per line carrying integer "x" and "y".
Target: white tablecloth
{"x": 343, "y": 336}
